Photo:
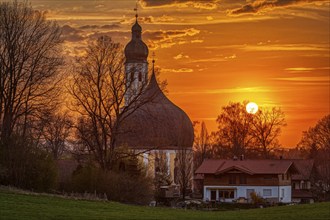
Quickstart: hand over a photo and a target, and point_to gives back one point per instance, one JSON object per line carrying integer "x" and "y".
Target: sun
{"x": 252, "y": 108}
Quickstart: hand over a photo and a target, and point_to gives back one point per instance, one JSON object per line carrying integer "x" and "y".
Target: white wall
{"x": 241, "y": 191}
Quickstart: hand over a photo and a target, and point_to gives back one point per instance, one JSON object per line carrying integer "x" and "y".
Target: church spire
{"x": 136, "y": 11}
{"x": 153, "y": 63}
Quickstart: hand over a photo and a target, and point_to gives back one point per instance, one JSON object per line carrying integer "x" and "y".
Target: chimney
{"x": 241, "y": 157}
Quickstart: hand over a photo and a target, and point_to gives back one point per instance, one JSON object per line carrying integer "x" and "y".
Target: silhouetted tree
{"x": 55, "y": 130}
{"x": 316, "y": 142}
{"x": 266, "y": 128}
{"x": 98, "y": 90}
{"x": 29, "y": 65}
{"x": 202, "y": 146}
{"x": 184, "y": 170}
{"x": 30, "y": 61}
{"x": 241, "y": 133}
{"x": 234, "y": 129}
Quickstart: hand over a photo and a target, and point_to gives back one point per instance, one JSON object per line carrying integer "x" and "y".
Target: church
{"x": 159, "y": 129}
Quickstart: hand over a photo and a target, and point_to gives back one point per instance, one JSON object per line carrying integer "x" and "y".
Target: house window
{"x": 242, "y": 179}
{"x": 226, "y": 194}
{"x": 232, "y": 179}
{"x": 282, "y": 193}
{"x": 267, "y": 192}
{"x": 213, "y": 195}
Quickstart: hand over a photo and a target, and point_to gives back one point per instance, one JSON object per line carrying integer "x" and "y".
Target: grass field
{"x": 29, "y": 207}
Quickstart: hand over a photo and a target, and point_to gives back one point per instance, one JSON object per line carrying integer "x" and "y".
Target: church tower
{"x": 136, "y": 65}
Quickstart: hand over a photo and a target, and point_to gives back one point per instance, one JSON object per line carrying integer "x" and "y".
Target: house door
{"x": 213, "y": 195}
{"x": 248, "y": 194}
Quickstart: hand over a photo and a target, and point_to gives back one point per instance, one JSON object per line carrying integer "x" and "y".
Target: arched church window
{"x": 132, "y": 76}
{"x": 140, "y": 76}
{"x": 122, "y": 166}
{"x": 176, "y": 170}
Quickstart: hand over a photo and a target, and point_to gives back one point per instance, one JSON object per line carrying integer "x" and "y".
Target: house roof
{"x": 304, "y": 168}
{"x": 246, "y": 166}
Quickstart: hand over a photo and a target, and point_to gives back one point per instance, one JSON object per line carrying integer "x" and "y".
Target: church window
{"x": 132, "y": 76}
{"x": 176, "y": 170}
{"x": 122, "y": 166}
{"x": 176, "y": 162}
{"x": 140, "y": 76}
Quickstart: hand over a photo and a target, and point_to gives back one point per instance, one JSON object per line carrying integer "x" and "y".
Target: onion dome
{"x": 157, "y": 124}
{"x": 136, "y": 50}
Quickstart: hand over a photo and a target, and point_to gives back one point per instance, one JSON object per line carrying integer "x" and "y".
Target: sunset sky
{"x": 211, "y": 52}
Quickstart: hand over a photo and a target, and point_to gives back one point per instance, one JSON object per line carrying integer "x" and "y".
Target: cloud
{"x": 180, "y": 56}
{"x": 285, "y": 47}
{"x": 243, "y": 90}
{"x": 71, "y": 34}
{"x": 320, "y": 80}
{"x": 157, "y": 20}
{"x": 304, "y": 69}
{"x": 200, "y": 4}
{"x": 169, "y": 38}
{"x": 181, "y": 70}
{"x": 261, "y": 5}
{"x": 107, "y": 26}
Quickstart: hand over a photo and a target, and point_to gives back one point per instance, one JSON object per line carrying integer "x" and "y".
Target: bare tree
{"x": 254, "y": 135}
{"x": 29, "y": 65}
{"x": 234, "y": 129}
{"x": 202, "y": 147}
{"x": 316, "y": 142}
{"x": 98, "y": 89}
{"x": 55, "y": 132}
{"x": 266, "y": 128}
{"x": 183, "y": 171}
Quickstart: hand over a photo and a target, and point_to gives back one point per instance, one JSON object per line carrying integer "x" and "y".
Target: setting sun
{"x": 252, "y": 108}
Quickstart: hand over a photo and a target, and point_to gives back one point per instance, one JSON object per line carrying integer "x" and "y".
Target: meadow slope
{"x": 20, "y": 206}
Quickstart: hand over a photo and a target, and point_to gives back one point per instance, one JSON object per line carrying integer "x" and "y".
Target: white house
{"x": 230, "y": 180}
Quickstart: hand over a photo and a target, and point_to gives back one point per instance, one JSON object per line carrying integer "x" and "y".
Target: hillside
{"x": 21, "y": 206}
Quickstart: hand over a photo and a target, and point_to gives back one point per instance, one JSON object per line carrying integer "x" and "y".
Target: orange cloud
{"x": 261, "y": 5}
{"x": 200, "y": 4}
{"x": 169, "y": 38}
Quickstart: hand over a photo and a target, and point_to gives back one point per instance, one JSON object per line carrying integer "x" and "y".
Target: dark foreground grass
{"x": 19, "y": 206}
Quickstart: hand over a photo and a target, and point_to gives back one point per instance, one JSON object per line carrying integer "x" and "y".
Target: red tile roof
{"x": 246, "y": 166}
{"x": 305, "y": 168}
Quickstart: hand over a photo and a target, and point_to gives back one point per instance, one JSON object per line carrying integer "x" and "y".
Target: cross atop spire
{"x": 153, "y": 57}
{"x": 136, "y": 10}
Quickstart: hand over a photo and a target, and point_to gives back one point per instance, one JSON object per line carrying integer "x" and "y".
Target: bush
{"x": 118, "y": 186}
{"x": 24, "y": 165}
{"x": 256, "y": 199}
